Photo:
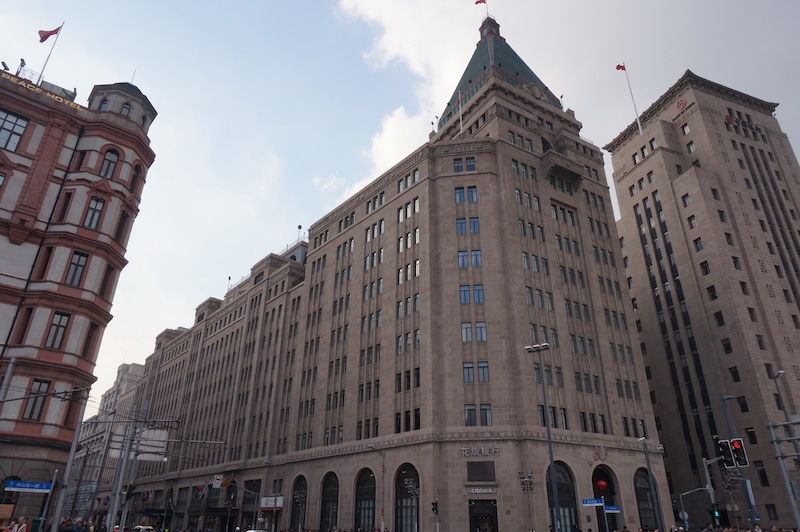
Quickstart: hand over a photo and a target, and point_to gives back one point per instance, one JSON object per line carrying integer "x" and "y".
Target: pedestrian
{"x": 22, "y": 525}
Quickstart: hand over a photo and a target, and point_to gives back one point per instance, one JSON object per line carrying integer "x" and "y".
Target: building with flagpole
{"x": 71, "y": 180}
{"x": 452, "y": 347}
{"x": 709, "y": 196}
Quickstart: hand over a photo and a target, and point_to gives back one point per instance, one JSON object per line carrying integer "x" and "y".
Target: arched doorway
{"x": 299, "y": 498}
{"x": 603, "y": 485}
{"x": 406, "y": 502}
{"x": 365, "y": 502}
{"x": 645, "y": 500}
{"x": 565, "y": 486}
{"x": 329, "y": 510}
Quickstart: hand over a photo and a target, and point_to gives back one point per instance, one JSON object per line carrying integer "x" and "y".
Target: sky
{"x": 270, "y": 114}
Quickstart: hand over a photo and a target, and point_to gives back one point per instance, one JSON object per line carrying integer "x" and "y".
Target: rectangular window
{"x": 461, "y": 226}
{"x": 463, "y": 259}
{"x": 474, "y": 225}
{"x": 92, "y": 218}
{"x": 477, "y": 261}
{"x": 472, "y": 194}
{"x": 466, "y": 332}
{"x": 459, "y": 194}
{"x": 76, "y": 266}
{"x": 483, "y": 371}
{"x": 36, "y": 399}
{"x": 469, "y": 373}
{"x": 458, "y": 165}
{"x": 486, "y": 415}
{"x": 58, "y": 328}
{"x": 477, "y": 293}
{"x": 469, "y": 416}
{"x": 470, "y": 164}
{"x": 11, "y": 129}
{"x": 463, "y": 292}
{"x": 480, "y": 331}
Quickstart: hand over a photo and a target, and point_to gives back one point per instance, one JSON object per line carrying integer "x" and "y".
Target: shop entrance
{"x": 483, "y": 516}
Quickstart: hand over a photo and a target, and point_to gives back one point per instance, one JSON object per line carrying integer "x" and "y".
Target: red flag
{"x": 620, "y": 67}
{"x": 480, "y": 2}
{"x": 44, "y": 35}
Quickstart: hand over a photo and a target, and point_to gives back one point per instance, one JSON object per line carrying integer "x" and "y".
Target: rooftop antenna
{"x": 133, "y": 76}
{"x": 5, "y": 66}
{"x": 299, "y": 227}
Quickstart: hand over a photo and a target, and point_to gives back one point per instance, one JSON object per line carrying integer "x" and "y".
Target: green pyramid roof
{"x": 493, "y": 54}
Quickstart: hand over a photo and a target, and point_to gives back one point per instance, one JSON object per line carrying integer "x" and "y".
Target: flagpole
{"x": 41, "y": 74}
{"x": 638, "y": 123}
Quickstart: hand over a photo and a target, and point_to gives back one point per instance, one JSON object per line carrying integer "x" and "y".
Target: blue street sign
{"x": 28, "y": 487}
{"x": 610, "y": 509}
{"x": 592, "y": 502}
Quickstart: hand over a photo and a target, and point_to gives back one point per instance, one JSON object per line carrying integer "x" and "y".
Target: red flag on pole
{"x": 620, "y": 67}
{"x": 44, "y": 35}
{"x": 480, "y": 2}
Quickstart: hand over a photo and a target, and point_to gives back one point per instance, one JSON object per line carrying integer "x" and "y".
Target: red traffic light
{"x": 736, "y": 444}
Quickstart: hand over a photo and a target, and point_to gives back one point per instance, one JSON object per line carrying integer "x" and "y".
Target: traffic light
{"x": 724, "y": 450}
{"x": 715, "y": 508}
{"x": 739, "y": 454}
{"x": 435, "y": 507}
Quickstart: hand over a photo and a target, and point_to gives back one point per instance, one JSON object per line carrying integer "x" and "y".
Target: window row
{"x": 476, "y": 331}
{"x": 471, "y": 415}
{"x": 408, "y": 305}
{"x": 469, "y": 372}
{"x": 644, "y": 151}
{"x": 371, "y": 321}
{"x": 577, "y": 310}
{"x": 528, "y": 201}
{"x": 374, "y": 230}
{"x": 581, "y": 346}
{"x": 628, "y": 390}
{"x": 403, "y": 421}
{"x": 343, "y": 249}
{"x": 471, "y": 196}
{"x": 536, "y": 264}
{"x": 334, "y": 400}
{"x": 464, "y": 165}
{"x": 408, "y": 341}
{"x": 474, "y": 257}
{"x": 410, "y": 271}
{"x": 586, "y": 383}
{"x": 403, "y": 380}
{"x": 365, "y": 391}
{"x": 373, "y": 259}
{"x": 370, "y": 354}
{"x": 410, "y": 179}
{"x": 538, "y": 297}
{"x": 376, "y": 202}
{"x": 372, "y": 290}
{"x": 563, "y": 244}
{"x": 530, "y": 232}
{"x": 523, "y": 170}
{"x": 465, "y": 290}
{"x": 363, "y": 428}
{"x": 594, "y": 200}
{"x": 407, "y": 211}
{"x": 409, "y": 240}
{"x": 541, "y": 335}
{"x": 474, "y": 226}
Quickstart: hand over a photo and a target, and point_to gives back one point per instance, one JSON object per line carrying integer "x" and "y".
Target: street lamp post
{"x": 751, "y": 505}
{"x": 556, "y": 516}
{"x": 653, "y": 495}
{"x": 413, "y": 489}
{"x": 782, "y": 405}
{"x": 383, "y": 481}
{"x": 526, "y": 484}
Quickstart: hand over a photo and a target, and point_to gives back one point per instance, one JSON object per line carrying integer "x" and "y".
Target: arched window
{"x": 299, "y": 497}
{"x": 406, "y": 503}
{"x": 365, "y": 502}
{"x": 126, "y": 109}
{"x": 644, "y": 500}
{"x": 329, "y": 510}
{"x": 565, "y": 486}
{"x": 604, "y": 486}
{"x": 110, "y": 160}
{"x": 104, "y": 104}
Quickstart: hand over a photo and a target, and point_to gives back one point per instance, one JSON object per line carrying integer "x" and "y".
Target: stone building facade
{"x": 71, "y": 179}
{"x": 379, "y": 371}
{"x": 708, "y": 195}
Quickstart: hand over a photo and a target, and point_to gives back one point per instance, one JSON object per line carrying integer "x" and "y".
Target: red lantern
{"x": 600, "y": 484}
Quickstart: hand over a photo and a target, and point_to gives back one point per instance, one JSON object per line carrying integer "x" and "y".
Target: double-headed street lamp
{"x": 653, "y": 495}
{"x": 526, "y": 484}
{"x": 555, "y": 516}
